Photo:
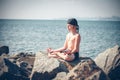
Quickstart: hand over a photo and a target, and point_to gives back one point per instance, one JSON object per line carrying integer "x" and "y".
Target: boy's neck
{"x": 73, "y": 32}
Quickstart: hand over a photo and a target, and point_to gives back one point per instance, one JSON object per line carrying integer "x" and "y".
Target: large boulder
{"x": 23, "y": 60}
{"x": 10, "y": 71}
{"x": 109, "y": 62}
{"x": 46, "y": 68}
{"x": 86, "y": 69}
{"x": 4, "y": 49}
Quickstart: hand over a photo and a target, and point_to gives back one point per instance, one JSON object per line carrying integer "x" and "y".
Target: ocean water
{"x": 38, "y": 35}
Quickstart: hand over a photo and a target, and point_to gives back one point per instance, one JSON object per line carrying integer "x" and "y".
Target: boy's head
{"x": 73, "y": 21}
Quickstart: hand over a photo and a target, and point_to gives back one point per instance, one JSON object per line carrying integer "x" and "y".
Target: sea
{"x": 38, "y": 35}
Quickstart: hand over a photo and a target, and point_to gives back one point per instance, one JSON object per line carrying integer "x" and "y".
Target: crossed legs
{"x": 67, "y": 57}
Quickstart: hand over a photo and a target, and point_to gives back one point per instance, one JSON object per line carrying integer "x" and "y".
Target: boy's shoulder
{"x": 77, "y": 34}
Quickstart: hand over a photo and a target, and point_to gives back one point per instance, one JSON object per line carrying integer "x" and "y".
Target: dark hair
{"x": 73, "y": 22}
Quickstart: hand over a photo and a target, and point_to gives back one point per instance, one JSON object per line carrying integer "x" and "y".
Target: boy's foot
{"x": 49, "y": 55}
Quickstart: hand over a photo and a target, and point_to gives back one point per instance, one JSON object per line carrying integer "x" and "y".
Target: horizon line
{"x": 62, "y": 18}
{"x": 83, "y": 19}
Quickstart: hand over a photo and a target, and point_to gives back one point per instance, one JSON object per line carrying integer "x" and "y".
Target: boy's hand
{"x": 67, "y": 52}
{"x": 50, "y": 50}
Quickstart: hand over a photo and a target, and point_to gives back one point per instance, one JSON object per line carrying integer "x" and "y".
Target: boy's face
{"x": 69, "y": 27}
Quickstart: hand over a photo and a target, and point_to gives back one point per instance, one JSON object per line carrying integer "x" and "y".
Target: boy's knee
{"x": 67, "y": 58}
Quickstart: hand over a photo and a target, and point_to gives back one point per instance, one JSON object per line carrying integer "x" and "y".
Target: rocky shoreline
{"x": 28, "y": 66}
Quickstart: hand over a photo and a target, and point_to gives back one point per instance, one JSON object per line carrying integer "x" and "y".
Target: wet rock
{"x": 86, "y": 70}
{"x": 13, "y": 71}
{"x": 23, "y": 60}
{"x": 109, "y": 62}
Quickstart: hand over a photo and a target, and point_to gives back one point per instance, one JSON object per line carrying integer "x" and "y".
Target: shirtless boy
{"x": 70, "y": 50}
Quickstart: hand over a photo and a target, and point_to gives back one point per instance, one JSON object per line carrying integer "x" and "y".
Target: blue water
{"x": 37, "y": 35}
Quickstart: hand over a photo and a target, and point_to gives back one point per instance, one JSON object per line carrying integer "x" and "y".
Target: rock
{"x": 9, "y": 76}
{"x": 46, "y": 68}
{"x": 53, "y": 69}
{"x": 109, "y": 62}
{"x": 3, "y": 68}
{"x": 13, "y": 71}
{"x": 4, "y": 49}
{"x": 86, "y": 70}
{"x": 71, "y": 64}
{"x": 60, "y": 76}
{"x": 28, "y": 59}
{"x": 20, "y": 66}
{"x": 21, "y": 54}
{"x": 23, "y": 64}
{"x": 23, "y": 60}
{"x": 26, "y": 67}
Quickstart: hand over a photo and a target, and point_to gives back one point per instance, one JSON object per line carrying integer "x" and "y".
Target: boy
{"x": 70, "y": 50}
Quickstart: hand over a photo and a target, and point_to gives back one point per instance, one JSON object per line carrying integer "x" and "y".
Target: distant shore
{"x": 114, "y": 18}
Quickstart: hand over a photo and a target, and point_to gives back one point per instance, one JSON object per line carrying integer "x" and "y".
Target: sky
{"x": 53, "y": 9}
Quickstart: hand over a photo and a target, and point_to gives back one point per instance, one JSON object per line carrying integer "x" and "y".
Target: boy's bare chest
{"x": 71, "y": 39}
